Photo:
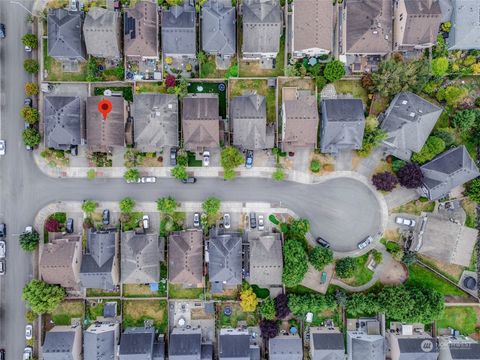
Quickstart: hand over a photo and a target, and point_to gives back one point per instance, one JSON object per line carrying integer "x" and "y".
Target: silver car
{"x": 261, "y": 223}
{"x": 3, "y": 249}
{"x": 226, "y": 221}
{"x": 2, "y": 147}
{"x": 364, "y": 243}
{"x": 27, "y": 353}
{"x": 404, "y": 221}
{"x": 196, "y": 220}
{"x": 28, "y": 332}
{"x": 148, "y": 179}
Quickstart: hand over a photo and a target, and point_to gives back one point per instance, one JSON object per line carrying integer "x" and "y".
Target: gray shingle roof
{"x": 58, "y": 344}
{"x": 328, "y": 346}
{"x": 262, "y": 26}
{"x": 248, "y": 114}
{"x": 219, "y": 28}
{"x": 450, "y": 169}
{"x": 138, "y": 344}
{"x": 343, "y": 124}
{"x": 102, "y": 33}
{"x": 141, "y": 256}
{"x": 185, "y": 257}
{"x": 408, "y": 121}
{"x": 185, "y": 344}
{"x": 155, "y": 121}
{"x": 65, "y": 40}
{"x": 62, "y": 122}
{"x": 99, "y": 345}
{"x": 140, "y": 28}
{"x": 368, "y": 347}
{"x": 225, "y": 264}
{"x": 468, "y": 351}
{"x": 234, "y": 346}
{"x": 466, "y": 25}
{"x": 285, "y": 347}
{"x": 179, "y": 30}
{"x": 266, "y": 260}
{"x": 411, "y": 349}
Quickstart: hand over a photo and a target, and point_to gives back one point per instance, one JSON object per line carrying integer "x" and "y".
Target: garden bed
{"x": 135, "y": 312}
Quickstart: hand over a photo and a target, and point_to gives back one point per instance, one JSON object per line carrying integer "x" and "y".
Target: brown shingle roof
{"x": 185, "y": 258}
{"x": 141, "y": 30}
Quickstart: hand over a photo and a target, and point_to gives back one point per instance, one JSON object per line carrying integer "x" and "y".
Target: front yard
{"x": 236, "y": 316}
{"x": 238, "y": 86}
{"x": 362, "y": 274}
{"x": 66, "y": 311}
{"x": 135, "y": 312}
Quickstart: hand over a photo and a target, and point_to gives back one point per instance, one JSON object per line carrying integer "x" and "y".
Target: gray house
{"x": 185, "y": 258}
{"x": 179, "y": 31}
{"x": 465, "y": 25}
{"x": 266, "y": 260}
{"x": 448, "y": 170}
{"x": 63, "y": 342}
{"x": 219, "y": 36}
{"x": 248, "y": 114}
{"x": 408, "y": 121}
{"x": 155, "y": 121}
{"x": 65, "y": 37}
{"x": 410, "y": 341}
{"x": 100, "y": 341}
{"x": 99, "y": 268}
{"x": 262, "y": 29}
{"x": 326, "y": 343}
{"x": 365, "y": 339}
{"x": 458, "y": 347}
{"x": 225, "y": 260}
{"x": 141, "y": 256}
{"x": 285, "y": 347}
{"x": 343, "y": 124}
{"x": 186, "y": 344}
{"x": 63, "y": 122}
{"x": 102, "y": 32}
{"x": 236, "y": 345}
{"x": 141, "y": 343}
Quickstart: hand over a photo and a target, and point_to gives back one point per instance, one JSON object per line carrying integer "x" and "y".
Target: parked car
{"x": 196, "y": 220}
{"x": 3, "y": 32}
{"x": 365, "y": 242}
{"x": 3, "y": 249}
{"x": 189, "y": 180}
{"x": 2, "y": 147}
{"x": 322, "y": 242}
{"x": 226, "y": 221}
{"x": 3, "y": 230}
{"x": 27, "y": 102}
{"x": 28, "y": 332}
{"x": 249, "y": 159}
{"x": 404, "y": 221}
{"x": 27, "y": 353}
{"x": 145, "y": 222}
{"x": 106, "y": 217}
{"x": 3, "y": 267}
{"x": 261, "y": 223}
{"x": 2, "y": 354}
{"x": 148, "y": 179}
{"x": 28, "y": 229}
{"x": 74, "y": 150}
{"x": 253, "y": 220}
{"x": 206, "y": 158}
{"x": 69, "y": 225}
{"x": 173, "y": 156}
{"x": 28, "y": 48}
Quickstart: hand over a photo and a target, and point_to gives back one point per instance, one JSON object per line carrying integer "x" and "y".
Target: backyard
{"x": 353, "y": 87}
{"x": 299, "y": 83}
{"x": 54, "y": 71}
{"x": 212, "y": 88}
{"x": 177, "y": 291}
{"x": 94, "y": 309}
{"x": 150, "y": 87}
{"x": 462, "y": 318}
{"x": 126, "y": 91}
{"x": 236, "y": 316}
{"x": 138, "y": 291}
{"x": 101, "y": 293}
{"x": 208, "y": 69}
{"x": 238, "y": 86}
{"x": 135, "y": 312}
{"x": 66, "y": 311}
{"x": 249, "y": 68}
{"x": 420, "y": 276}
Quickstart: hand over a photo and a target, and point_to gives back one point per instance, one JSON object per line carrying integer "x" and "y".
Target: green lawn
{"x": 251, "y": 68}
{"x": 176, "y": 291}
{"x": 135, "y": 312}
{"x": 138, "y": 291}
{"x": 238, "y": 86}
{"x": 462, "y": 318}
{"x": 55, "y": 71}
{"x": 101, "y": 293}
{"x": 362, "y": 274}
{"x": 353, "y": 87}
{"x": 95, "y": 309}
{"x": 127, "y": 91}
{"x": 192, "y": 161}
{"x": 423, "y": 277}
{"x": 236, "y": 316}
{"x": 211, "y": 88}
{"x": 150, "y": 87}
{"x": 260, "y": 292}
{"x": 416, "y": 207}
{"x": 66, "y": 311}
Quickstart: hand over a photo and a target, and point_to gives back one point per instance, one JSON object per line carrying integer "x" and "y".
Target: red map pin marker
{"x": 104, "y": 106}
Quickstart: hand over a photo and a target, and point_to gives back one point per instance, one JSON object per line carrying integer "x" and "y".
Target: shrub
{"x": 302, "y": 304}
{"x": 446, "y": 136}
{"x": 295, "y": 263}
{"x": 319, "y": 257}
{"x": 248, "y": 300}
{"x": 433, "y": 146}
{"x": 320, "y": 81}
{"x": 281, "y": 306}
{"x": 315, "y": 166}
{"x": 230, "y": 158}
{"x": 268, "y": 329}
{"x": 334, "y": 70}
{"x": 30, "y": 40}
{"x": 267, "y": 309}
{"x": 30, "y": 115}
{"x": 345, "y": 267}
{"x": 397, "y": 164}
{"x": 29, "y": 241}
{"x": 31, "y": 66}
{"x": 473, "y": 190}
{"x": 179, "y": 172}
{"x": 446, "y": 26}
{"x": 52, "y": 225}
{"x": 278, "y": 174}
{"x": 385, "y": 181}
{"x": 232, "y": 71}
{"x": 439, "y": 66}
{"x": 273, "y": 219}
{"x": 465, "y": 120}
{"x": 89, "y": 206}
{"x": 91, "y": 174}
{"x": 31, "y": 137}
{"x": 454, "y": 95}
{"x": 170, "y": 81}
{"x": 410, "y": 176}
{"x": 31, "y": 89}
{"x": 131, "y": 175}
{"x": 126, "y": 205}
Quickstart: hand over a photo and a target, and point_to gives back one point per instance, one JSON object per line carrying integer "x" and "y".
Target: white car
{"x": 3, "y": 249}
{"x": 145, "y": 222}
{"x": 28, "y": 332}
{"x": 27, "y": 353}
{"x": 226, "y": 221}
{"x": 365, "y": 242}
{"x": 29, "y": 229}
{"x": 261, "y": 223}
{"x": 2, "y": 147}
{"x": 196, "y": 220}
{"x": 206, "y": 158}
{"x": 28, "y": 48}
{"x": 406, "y": 222}
{"x": 148, "y": 179}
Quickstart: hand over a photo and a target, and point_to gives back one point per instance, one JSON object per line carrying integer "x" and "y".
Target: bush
{"x": 30, "y": 40}
{"x": 397, "y": 164}
{"x": 248, "y": 300}
{"x": 268, "y": 329}
{"x": 179, "y": 172}
{"x": 267, "y": 309}
{"x": 278, "y": 174}
{"x": 31, "y": 89}
{"x": 31, "y": 137}
{"x": 126, "y": 205}
{"x": 446, "y": 136}
{"x": 320, "y": 81}
{"x": 465, "y": 120}
{"x": 300, "y": 305}
{"x": 319, "y": 257}
{"x": 52, "y": 225}
{"x": 89, "y": 206}
{"x": 281, "y": 306}
{"x": 30, "y": 115}
{"x": 334, "y": 70}
{"x": 273, "y": 219}
{"x": 454, "y": 95}
{"x": 384, "y": 181}
{"x": 346, "y": 267}
{"x": 230, "y": 158}
{"x": 170, "y": 81}
{"x": 410, "y": 176}
{"x": 315, "y": 166}
{"x": 232, "y": 71}
{"x": 433, "y": 146}
{"x": 29, "y": 241}
{"x": 439, "y": 66}
{"x": 131, "y": 175}
{"x": 31, "y": 66}
{"x": 91, "y": 174}
{"x": 473, "y": 190}
{"x": 446, "y": 26}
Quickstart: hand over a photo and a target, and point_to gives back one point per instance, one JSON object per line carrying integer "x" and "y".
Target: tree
{"x": 278, "y": 174}
{"x": 179, "y": 172}
{"x": 439, "y": 66}
{"x": 300, "y": 305}
{"x": 367, "y": 81}
{"x": 126, "y": 205}
{"x": 267, "y": 309}
{"x": 447, "y": 137}
{"x": 31, "y": 137}
{"x": 319, "y": 257}
{"x": 281, "y": 306}
{"x": 31, "y": 66}
{"x": 410, "y": 176}
{"x": 297, "y": 229}
{"x": 362, "y": 304}
{"x": 170, "y": 81}
{"x": 229, "y": 174}
{"x": 31, "y": 89}
{"x": 295, "y": 263}
{"x": 230, "y": 158}
{"x": 433, "y": 146}
{"x": 397, "y": 165}
{"x": 52, "y": 225}
{"x": 89, "y": 206}
{"x": 372, "y": 136}
{"x": 409, "y": 258}
{"x": 42, "y": 297}
{"x": 334, "y": 70}
{"x": 268, "y": 329}
{"x": 454, "y": 95}
{"x": 384, "y": 181}
{"x": 248, "y": 300}
{"x": 320, "y": 81}
{"x": 30, "y": 40}
{"x": 211, "y": 206}
{"x": 131, "y": 175}
{"x": 30, "y": 115}
{"x": 346, "y": 267}
{"x": 473, "y": 190}
{"x": 341, "y": 297}
{"x": 167, "y": 205}
{"x": 29, "y": 240}
{"x": 466, "y": 120}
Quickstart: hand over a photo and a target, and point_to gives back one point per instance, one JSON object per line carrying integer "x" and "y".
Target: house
{"x": 248, "y": 114}
{"x": 99, "y": 268}
{"x": 63, "y": 342}
{"x": 266, "y": 260}
{"x": 458, "y": 347}
{"x": 140, "y": 30}
{"x": 448, "y": 170}
{"x": 410, "y": 341}
{"x": 219, "y": 24}
{"x": 326, "y": 343}
{"x": 408, "y": 121}
{"x": 186, "y": 343}
{"x": 465, "y": 25}
{"x": 200, "y": 122}
{"x": 416, "y": 24}
{"x": 141, "y": 256}
{"x": 299, "y": 119}
{"x": 60, "y": 261}
{"x": 64, "y": 126}
{"x": 102, "y": 33}
{"x": 100, "y": 341}
{"x": 365, "y": 339}
{"x": 141, "y": 343}
{"x": 65, "y": 38}
{"x": 262, "y": 29}
{"x": 285, "y": 347}
{"x": 225, "y": 260}
{"x": 343, "y": 125}
{"x": 179, "y": 32}
{"x": 185, "y": 258}
{"x": 313, "y": 23}
{"x": 103, "y": 135}
{"x": 155, "y": 121}
{"x": 236, "y": 345}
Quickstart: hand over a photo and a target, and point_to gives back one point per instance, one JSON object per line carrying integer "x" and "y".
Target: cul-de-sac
{"x": 239, "y": 179}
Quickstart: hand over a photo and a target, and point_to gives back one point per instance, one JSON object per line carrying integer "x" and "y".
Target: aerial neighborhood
{"x": 240, "y": 180}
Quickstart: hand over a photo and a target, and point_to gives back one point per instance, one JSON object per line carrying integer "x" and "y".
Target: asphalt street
{"x": 342, "y": 211}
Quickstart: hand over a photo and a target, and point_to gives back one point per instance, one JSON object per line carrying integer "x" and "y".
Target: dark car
{"x": 3, "y": 267}
{"x": 74, "y": 150}
{"x": 2, "y": 354}
{"x": 173, "y": 156}
{"x": 106, "y": 217}
{"x": 249, "y": 159}
{"x": 189, "y": 180}
{"x": 3, "y": 32}
{"x": 253, "y": 220}
{"x": 69, "y": 225}
{"x": 3, "y": 230}
{"x": 322, "y": 242}
{"x": 28, "y": 102}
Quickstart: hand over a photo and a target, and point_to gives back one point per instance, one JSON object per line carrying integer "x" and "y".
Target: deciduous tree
{"x": 89, "y": 206}
{"x": 267, "y": 309}
{"x": 433, "y": 146}
{"x": 439, "y": 66}
{"x": 31, "y": 89}
{"x": 211, "y": 206}
{"x": 52, "y": 225}
{"x": 126, "y": 205}
{"x": 346, "y": 267}
{"x": 410, "y": 176}
{"x": 30, "y": 115}
{"x": 334, "y": 70}
{"x": 248, "y": 300}
{"x": 31, "y": 137}
{"x": 30, "y": 40}
{"x": 320, "y": 257}
{"x": 295, "y": 262}
{"x": 29, "y": 240}
{"x": 31, "y": 66}
{"x": 384, "y": 181}
{"x": 230, "y": 158}
{"x": 167, "y": 205}
{"x": 268, "y": 329}
{"x": 42, "y": 297}
{"x": 131, "y": 175}
{"x": 179, "y": 172}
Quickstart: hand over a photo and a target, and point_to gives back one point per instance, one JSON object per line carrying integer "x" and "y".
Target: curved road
{"x": 343, "y": 210}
